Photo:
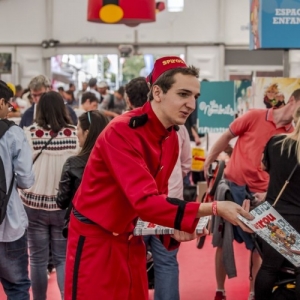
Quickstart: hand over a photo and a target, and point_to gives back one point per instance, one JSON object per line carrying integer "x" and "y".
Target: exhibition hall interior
{"x": 149, "y": 150}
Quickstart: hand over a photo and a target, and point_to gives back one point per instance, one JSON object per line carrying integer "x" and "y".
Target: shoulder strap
{"x": 111, "y": 103}
{"x": 285, "y": 184}
{"x": 4, "y": 126}
{"x": 43, "y": 148}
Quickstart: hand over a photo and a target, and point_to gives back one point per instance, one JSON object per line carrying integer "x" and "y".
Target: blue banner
{"x": 216, "y": 106}
{"x": 274, "y": 24}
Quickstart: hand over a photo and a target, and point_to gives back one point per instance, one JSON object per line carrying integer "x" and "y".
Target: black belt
{"x": 82, "y": 218}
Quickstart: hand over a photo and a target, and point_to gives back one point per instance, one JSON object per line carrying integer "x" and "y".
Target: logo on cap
{"x": 164, "y": 64}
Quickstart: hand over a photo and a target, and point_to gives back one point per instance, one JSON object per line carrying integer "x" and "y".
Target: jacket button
{"x": 115, "y": 234}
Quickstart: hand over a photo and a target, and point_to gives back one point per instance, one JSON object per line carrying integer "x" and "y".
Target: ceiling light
{"x": 175, "y": 5}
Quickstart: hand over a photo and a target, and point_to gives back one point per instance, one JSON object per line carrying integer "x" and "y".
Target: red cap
{"x": 164, "y": 64}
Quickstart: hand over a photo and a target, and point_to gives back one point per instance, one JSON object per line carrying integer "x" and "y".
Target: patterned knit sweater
{"x": 48, "y": 167}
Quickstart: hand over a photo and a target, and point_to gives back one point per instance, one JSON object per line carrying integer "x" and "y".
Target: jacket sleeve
{"x": 72, "y": 114}
{"x": 66, "y": 187}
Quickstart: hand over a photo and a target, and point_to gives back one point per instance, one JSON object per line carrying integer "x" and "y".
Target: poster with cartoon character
{"x": 273, "y": 92}
{"x": 276, "y": 231}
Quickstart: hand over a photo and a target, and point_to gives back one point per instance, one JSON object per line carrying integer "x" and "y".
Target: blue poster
{"x": 274, "y": 24}
{"x": 216, "y": 106}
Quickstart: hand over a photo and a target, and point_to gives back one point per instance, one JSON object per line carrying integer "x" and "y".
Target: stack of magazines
{"x": 147, "y": 228}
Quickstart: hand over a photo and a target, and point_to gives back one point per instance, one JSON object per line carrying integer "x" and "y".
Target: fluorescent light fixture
{"x": 175, "y": 5}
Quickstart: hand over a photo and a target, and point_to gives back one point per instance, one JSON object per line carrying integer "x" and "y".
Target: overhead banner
{"x": 274, "y": 24}
{"x": 216, "y": 106}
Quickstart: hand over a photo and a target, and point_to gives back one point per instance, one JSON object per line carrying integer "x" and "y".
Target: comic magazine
{"x": 276, "y": 231}
{"x": 147, "y": 228}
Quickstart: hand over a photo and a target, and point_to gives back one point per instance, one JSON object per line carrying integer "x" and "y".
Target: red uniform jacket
{"x": 127, "y": 176}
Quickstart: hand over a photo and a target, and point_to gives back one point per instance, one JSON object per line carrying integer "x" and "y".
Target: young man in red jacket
{"x": 126, "y": 177}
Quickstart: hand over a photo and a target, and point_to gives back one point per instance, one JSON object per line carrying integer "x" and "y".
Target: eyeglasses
{"x": 10, "y": 106}
{"x": 36, "y": 95}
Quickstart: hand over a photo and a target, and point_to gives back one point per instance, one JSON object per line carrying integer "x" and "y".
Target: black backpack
{"x": 4, "y": 194}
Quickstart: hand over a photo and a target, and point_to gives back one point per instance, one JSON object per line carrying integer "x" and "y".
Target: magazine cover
{"x": 147, "y": 228}
{"x": 276, "y": 231}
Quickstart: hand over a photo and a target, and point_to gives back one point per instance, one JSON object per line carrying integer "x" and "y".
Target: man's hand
{"x": 197, "y": 141}
{"x": 182, "y": 236}
{"x": 260, "y": 197}
{"x": 205, "y": 170}
{"x": 229, "y": 211}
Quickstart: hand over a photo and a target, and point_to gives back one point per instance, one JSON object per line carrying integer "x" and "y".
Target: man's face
{"x": 84, "y": 86}
{"x": 36, "y": 94}
{"x": 88, "y": 105}
{"x": 178, "y": 103}
{"x": 293, "y": 105}
{"x": 5, "y": 108}
{"x": 102, "y": 90}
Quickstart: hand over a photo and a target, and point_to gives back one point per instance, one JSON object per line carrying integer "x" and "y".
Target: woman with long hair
{"x": 52, "y": 140}
{"x": 90, "y": 125}
{"x": 281, "y": 155}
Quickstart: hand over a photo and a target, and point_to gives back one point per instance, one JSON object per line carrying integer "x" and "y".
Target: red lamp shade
{"x": 127, "y": 12}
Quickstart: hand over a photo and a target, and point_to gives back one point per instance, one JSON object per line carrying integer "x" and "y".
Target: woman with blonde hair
{"x": 281, "y": 155}
{"x": 52, "y": 140}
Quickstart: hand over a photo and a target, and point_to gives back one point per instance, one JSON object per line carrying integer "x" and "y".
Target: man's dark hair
{"x": 71, "y": 85}
{"x": 61, "y": 89}
{"x": 18, "y": 88}
{"x": 95, "y": 122}
{"x": 137, "y": 91}
{"x": 121, "y": 91}
{"x": 93, "y": 82}
{"x": 88, "y": 96}
{"x": 51, "y": 112}
{"x": 5, "y": 91}
{"x": 296, "y": 94}
{"x": 166, "y": 80}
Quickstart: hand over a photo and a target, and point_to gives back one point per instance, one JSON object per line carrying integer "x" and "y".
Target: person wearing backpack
{"x": 15, "y": 172}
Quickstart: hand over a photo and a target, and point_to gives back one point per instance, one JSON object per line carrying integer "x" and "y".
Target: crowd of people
{"x": 81, "y": 168}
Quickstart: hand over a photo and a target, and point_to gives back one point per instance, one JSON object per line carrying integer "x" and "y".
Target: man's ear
{"x": 291, "y": 100}
{"x": 156, "y": 92}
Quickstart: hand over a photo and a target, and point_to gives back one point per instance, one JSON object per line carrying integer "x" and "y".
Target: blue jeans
{"x": 45, "y": 227}
{"x": 166, "y": 272}
{"x": 239, "y": 193}
{"x": 14, "y": 269}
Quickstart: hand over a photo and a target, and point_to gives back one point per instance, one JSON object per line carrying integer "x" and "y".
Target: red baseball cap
{"x": 164, "y": 64}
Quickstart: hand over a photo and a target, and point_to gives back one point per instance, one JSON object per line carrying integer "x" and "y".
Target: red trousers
{"x": 101, "y": 266}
